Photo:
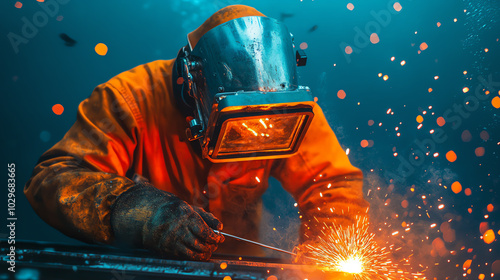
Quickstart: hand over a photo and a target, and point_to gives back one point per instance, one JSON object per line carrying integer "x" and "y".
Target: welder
{"x": 162, "y": 155}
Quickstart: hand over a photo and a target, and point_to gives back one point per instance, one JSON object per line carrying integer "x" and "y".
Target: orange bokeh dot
{"x": 404, "y": 203}
{"x": 348, "y": 50}
{"x": 489, "y": 236}
{"x": 18, "y": 5}
{"x": 350, "y": 6}
{"x": 272, "y": 277}
{"x": 226, "y": 278}
{"x": 370, "y": 122}
{"x": 420, "y": 119}
{"x": 429, "y": 90}
{"x": 438, "y": 24}
{"x": 440, "y": 121}
{"x": 101, "y": 49}
{"x": 465, "y": 89}
{"x": 469, "y": 210}
{"x": 303, "y": 45}
{"x": 479, "y": 151}
{"x": 496, "y": 102}
{"x": 484, "y": 135}
{"x": 364, "y": 143}
{"x": 456, "y": 187}
{"x": 467, "y": 264}
{"x": 490, "y": 207}
{"x": 483, "y": 227}
{"x": 451, "y": 156}
{"x": 397, "y": 6}
{"x": 341, "y": 94}
{"x": 423, "y": 46}
{"x": 223, "y": 265}
{"x": 374, "y": 38}
{"x": 466, "y": 136}
{"x": 467, "y": 192}
{"x": 58, "y": 109}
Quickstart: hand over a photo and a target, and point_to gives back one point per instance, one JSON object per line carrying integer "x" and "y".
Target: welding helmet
{"x": 239, "y": 84}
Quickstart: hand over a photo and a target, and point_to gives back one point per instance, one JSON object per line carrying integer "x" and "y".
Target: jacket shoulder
{"x": 146, "y": 88}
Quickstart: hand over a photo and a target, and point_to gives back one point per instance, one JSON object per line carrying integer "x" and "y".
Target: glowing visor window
{"x": 260, "y": 134}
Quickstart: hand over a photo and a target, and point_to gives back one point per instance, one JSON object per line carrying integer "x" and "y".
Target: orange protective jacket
{"x": 130, "y": 125}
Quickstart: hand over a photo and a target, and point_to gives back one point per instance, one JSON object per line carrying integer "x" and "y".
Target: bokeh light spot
{"x": 441, "y": 121}
{"x": 350, "y": 6}
{"x": 348, "y": 50}
{"x": 489, "y": 236}
{"x": 404, "y": 203}
{"x": 303, "y": 45}
{"x": 364, "y": 143}
{"x": 423, "y": 46}
{"x": 223, "y": 265}
{"x": 397, "y": 6}
{"x": 456, "y": 187}
{"x": 420, "y": 119}
{"x": 438, "y": 24}
{"x": 370, "y": 143}
{"x": 468, "y": 191}
{"x": 465, "y": 89}
{"x": 490, "y": 207}
{"x": 226, "y": 278}
{"x": 466, "y": 136}
{"x": 101, "y": 49}
{"x": 451, "y": 156}
{"x": 467, "y": 264}
{"x": 484, "y": 135}
{"x": 429, "y": 90}
{"x": 495, "y": 102}
{"x": 58, "y": 109}
{"x": 386, "y": 77}
{"x": 370, "y": 122}
{"x": 483, "y": 227}
{"x": 18, "y": 5}
{"x": 479, "y": 151}
{"x": 374, "y": 38}
{"x": 341, "y": 94}
{"x": 272, "y": 277}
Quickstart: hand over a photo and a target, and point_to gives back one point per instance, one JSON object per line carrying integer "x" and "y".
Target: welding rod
{"x": 256, "y": 243}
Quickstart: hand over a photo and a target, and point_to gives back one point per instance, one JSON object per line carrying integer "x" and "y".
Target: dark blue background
{"x": 45, "y": 72}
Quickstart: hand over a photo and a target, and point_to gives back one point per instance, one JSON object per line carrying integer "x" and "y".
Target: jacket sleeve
{"x": 75, "y": 183}
{"x": 326, "y": 187}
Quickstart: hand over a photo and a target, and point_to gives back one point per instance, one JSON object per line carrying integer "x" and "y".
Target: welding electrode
{"x": 256, "y": 243}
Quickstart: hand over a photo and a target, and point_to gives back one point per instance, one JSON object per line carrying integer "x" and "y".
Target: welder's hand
{"x": 161, "y": 222}
{"x": 182, "y": 230}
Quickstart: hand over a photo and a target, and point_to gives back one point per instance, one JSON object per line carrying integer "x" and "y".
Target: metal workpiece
{"x": 41, "y": 260}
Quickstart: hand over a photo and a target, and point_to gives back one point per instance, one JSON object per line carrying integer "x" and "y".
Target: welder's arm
{"x": 79, "y": 186}
{"x": 75, "y": 183}
{"x": 320, "y": 177}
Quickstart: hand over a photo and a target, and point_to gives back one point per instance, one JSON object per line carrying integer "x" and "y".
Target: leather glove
{"x": 149, "y": 218}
